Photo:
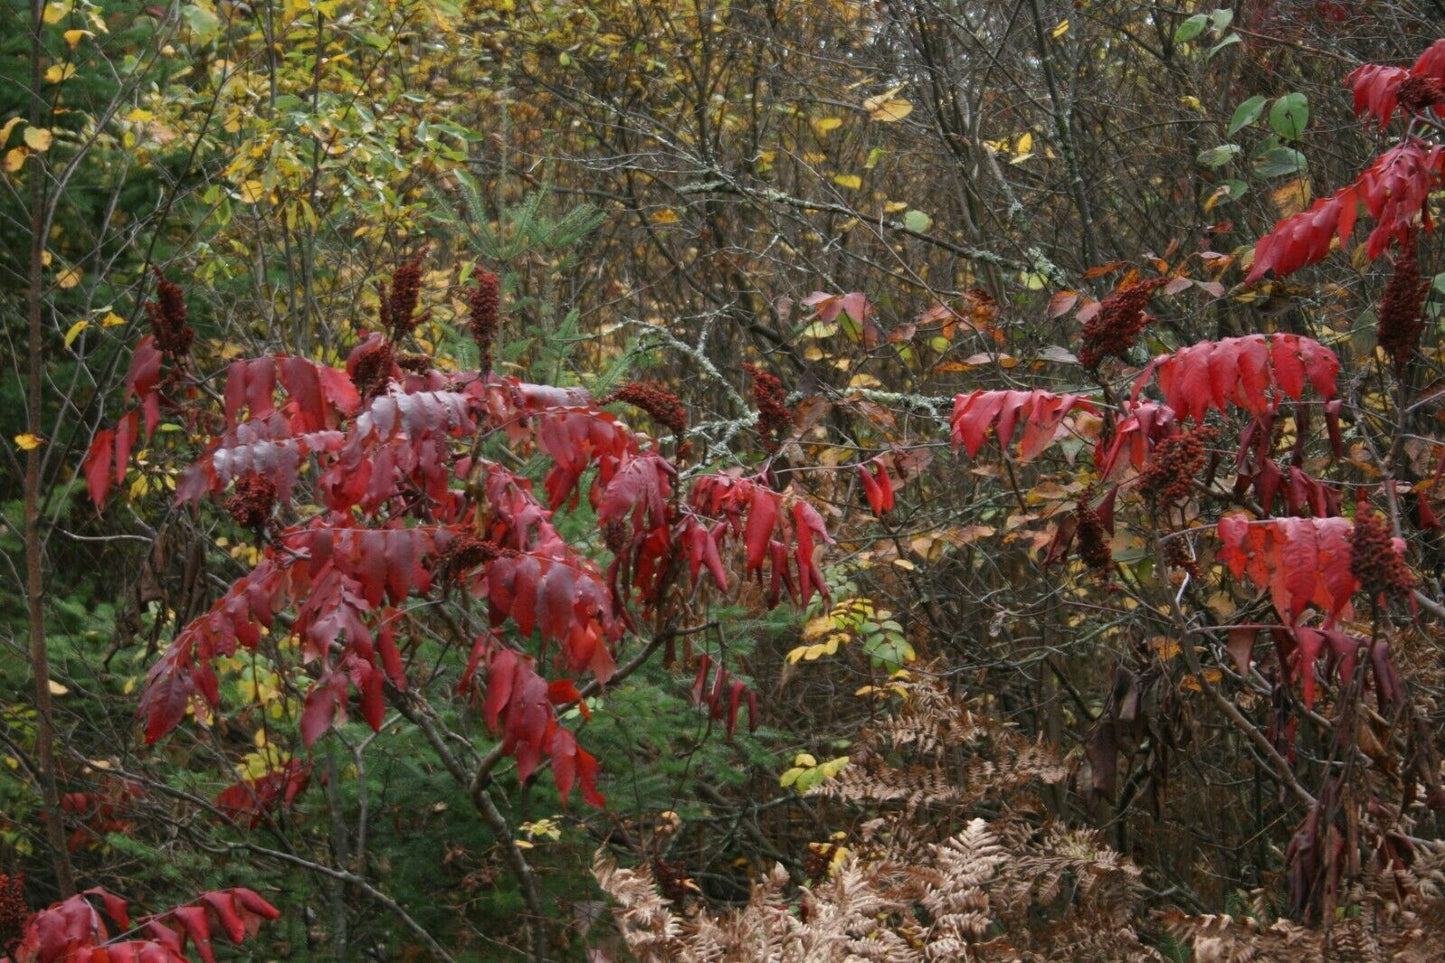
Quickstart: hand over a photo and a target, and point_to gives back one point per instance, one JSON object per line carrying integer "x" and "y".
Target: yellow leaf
{"x": 905, "y": 564}
{"x": 864, "y": 381}
{"x": 850, "y": 181}
{"x": 805, "y": 759}
{"x": 57, "y": 689}
{"x": 874, "y": 102}
{"x": 59, "y": 72}
{"x": 1165, "y": 648}
{"x": 1291, "y": 197}
{"x": 252, "y": 191}
{"x": 7, "y": 127}
{"x": 74, "y": 330}
{"x": 15, "y": 159}
{"x": 891, "y": 111}
{"x": 69, "y": 278}
{"x": 29, "y": 441}
{"x": 818, "y": 627}
{"x": 38, "y": 138}
{"x": 111, "y": 320}
{"x": 55, "y": 12}
{"x": 665, "y": 216}
{"x": 893, "y": 207}
{"x": 140, "y": 114}
{"x": 73, "y": 37}
{"x": 1025, "y": 143}
{"x": 1061, "y": 29}
{"x": 824, "y": 124}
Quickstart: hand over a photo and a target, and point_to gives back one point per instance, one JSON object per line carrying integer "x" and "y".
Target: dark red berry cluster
{"x": 672, "y": 882}
{"x": 775, "y": 419}
{"x": 1176, "y": 462}
{"x": 464, "y": 554}
{"x": 1092, "y": 540}
{"x": 657, "y": 401}
{"x": 1112, "y": 331}
{"x": 169, "y": 323}
{"x": 370, "y": 366}
{"x": 1419, "y": 94}
{"x": 1401, "y": 317}
{"x": 251, "y": 504}
{"x": 485, "y": 303}
{"x": 398, "y": 307}
{"x": 415, "y": 363}
{"x": 13, "y": 911}
{"x": 1177, "y": 556}
{"x": 1380, "y": 570}
{"x": 614, "y": 536}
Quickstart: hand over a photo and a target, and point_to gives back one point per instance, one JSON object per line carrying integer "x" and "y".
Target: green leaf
{"x": 1226, "y": 42}
{"x": 1219, "y": 156}
{"x": 1246, "y": 114}
{"x": 1281, "y": 162}
{"x": 917, "y": 221}
{"x": 1221, "y": 19}
{"x": 1191, "y": 28}
{"x": 1289, "y": 115}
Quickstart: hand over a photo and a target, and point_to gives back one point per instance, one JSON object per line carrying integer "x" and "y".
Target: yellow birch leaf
{"x": 7, "y": 127}
{"x": 850, "y": 181}
{"x": 252, "y": 191}
{"x": 824, "y": 124}
{"x": 111, "y": 320}
{"x": 890, "y": 111}
{"x": 38, "y": 138}
{"x": 15, "y": 159}
{"x": 69, "y": 278}
{"x": 1061, "y": 29}
{"x": 29, "y": 441}
{"x": 73, "y": 332}
{"x": 56, "y": 73}
{"x": 73, "y": 37}
{"x": 55, "y": 12}
{"x": 57, "y": 689}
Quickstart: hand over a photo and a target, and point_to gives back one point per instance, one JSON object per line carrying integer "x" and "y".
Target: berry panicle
{"x": 484, "y": 315}
{"x": 775, "y": 419}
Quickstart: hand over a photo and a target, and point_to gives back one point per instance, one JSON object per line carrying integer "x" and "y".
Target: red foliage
{"x": 1301, "y": 561}
{"x": 1041, "y": 413}
{"x": 1379, "y": 90}
{"x": 877, "y": 486}
{"x": 73, "y": 931}
{"x": 1393, "y": 191}
{"x": 1255, "y": 372}
{"x": 411, "y": 509}
{"x": 250, "y": 801}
